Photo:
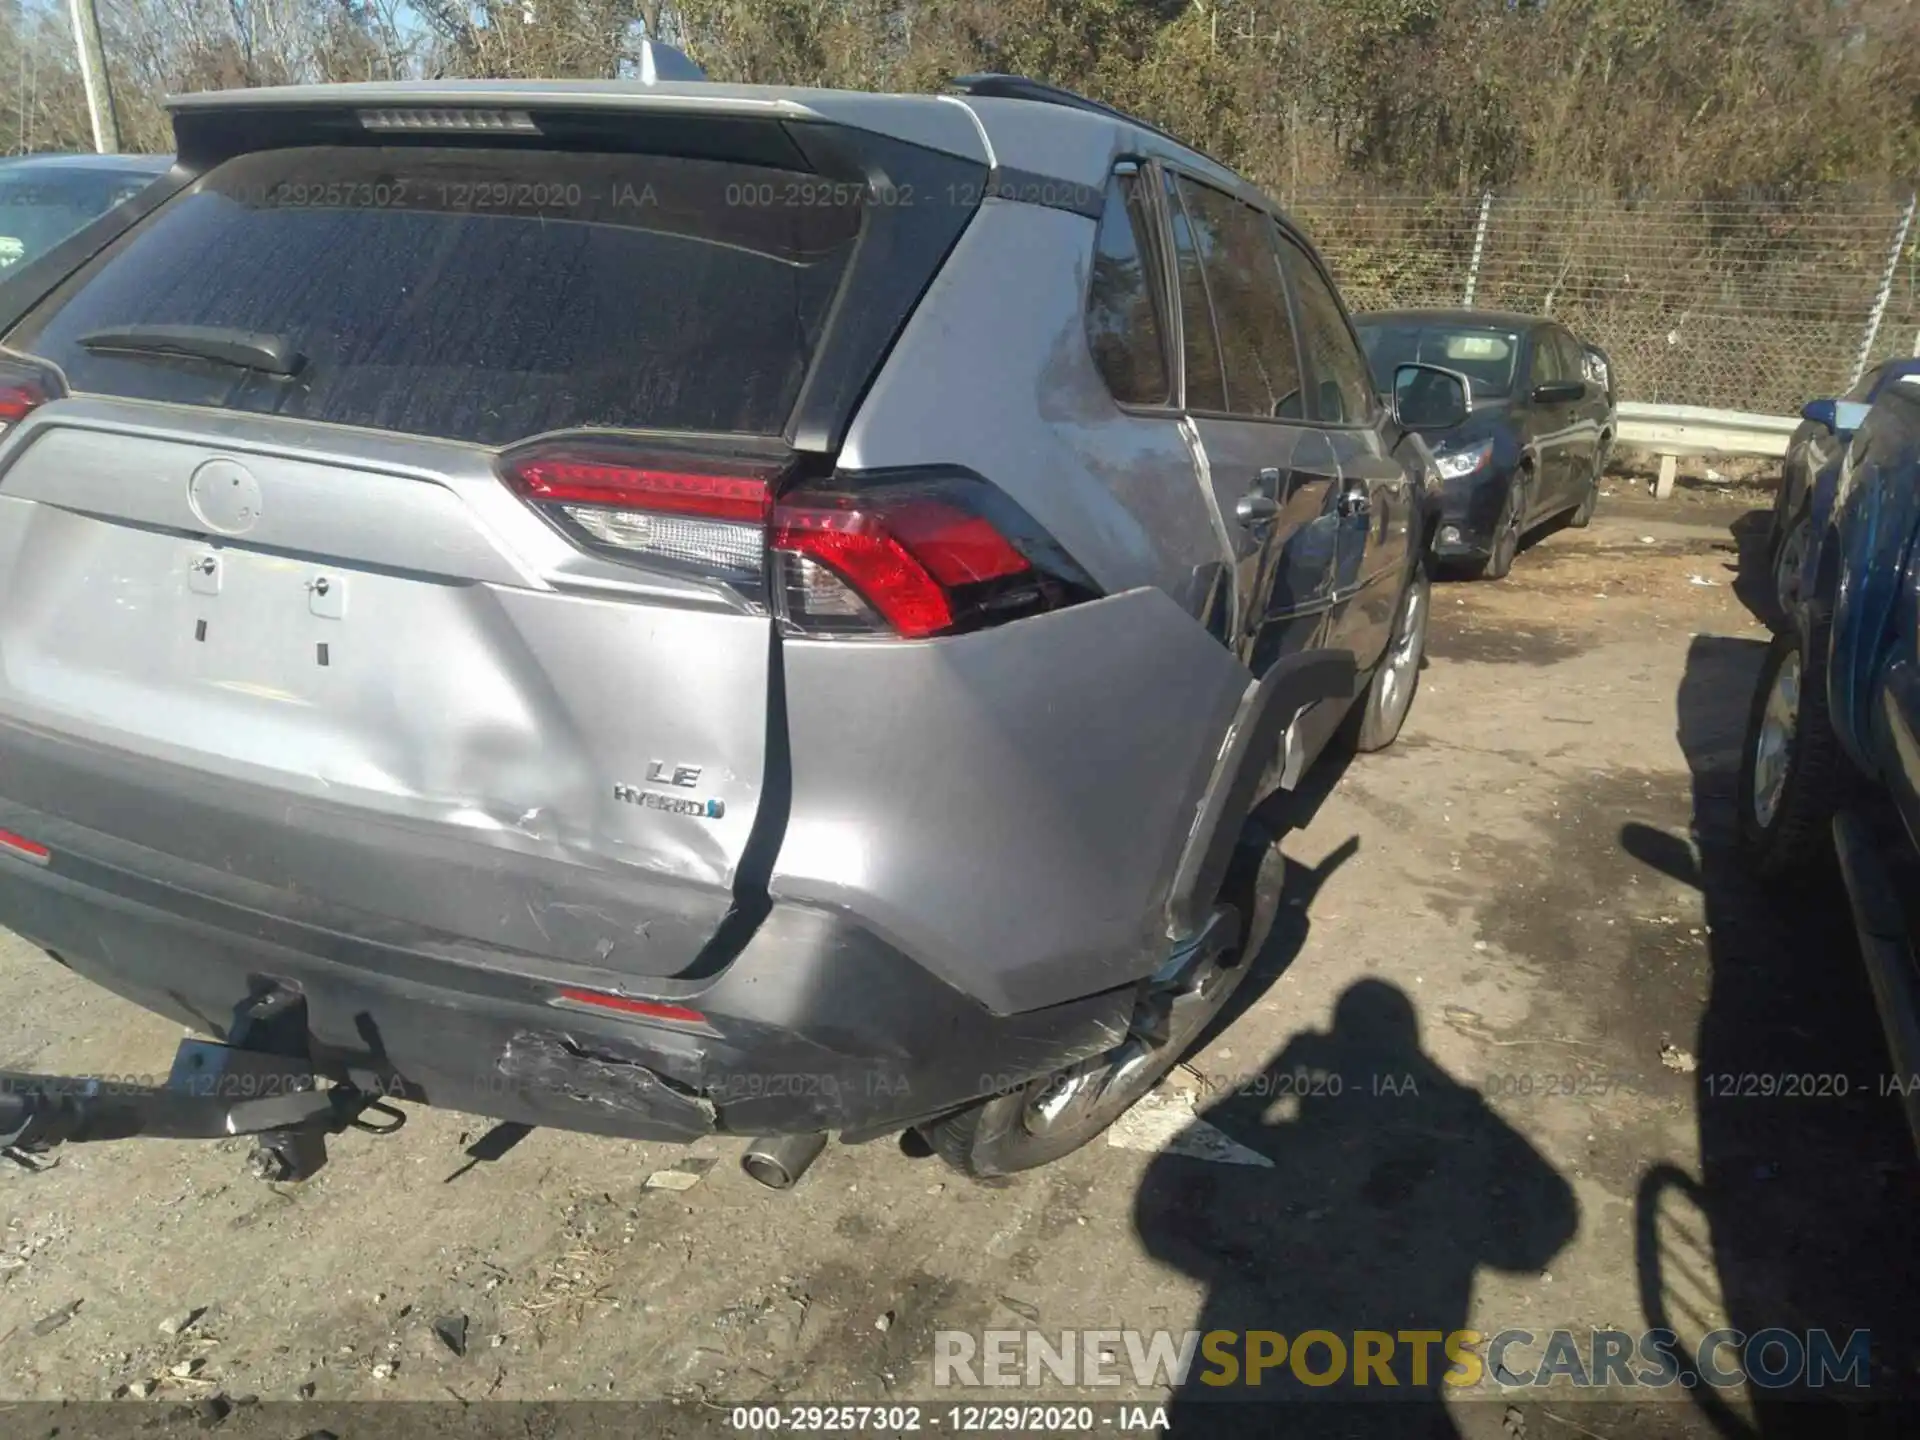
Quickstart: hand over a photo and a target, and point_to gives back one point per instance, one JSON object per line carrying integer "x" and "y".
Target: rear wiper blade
{"x": 243, "y": 349}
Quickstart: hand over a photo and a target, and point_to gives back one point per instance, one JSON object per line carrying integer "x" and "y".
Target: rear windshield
{"x": 1485, "y": 357}
{"x": 479, "y": 295}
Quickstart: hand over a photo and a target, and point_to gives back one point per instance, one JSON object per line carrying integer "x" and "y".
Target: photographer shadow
{"x": 1390, "y": 1186}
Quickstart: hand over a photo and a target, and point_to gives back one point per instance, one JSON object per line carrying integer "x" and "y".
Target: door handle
{"x": 1253, "y": 509}
{"x": 1353, "y": 503}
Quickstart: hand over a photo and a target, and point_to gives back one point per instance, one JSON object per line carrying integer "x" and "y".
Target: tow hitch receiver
{"x": 259, "y": 1083}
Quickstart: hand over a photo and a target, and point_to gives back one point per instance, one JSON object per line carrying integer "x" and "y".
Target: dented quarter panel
{"x": 1008, "y": 807}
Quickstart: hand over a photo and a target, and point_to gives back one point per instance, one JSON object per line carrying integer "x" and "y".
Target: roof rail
{"x": 995, "y": 86}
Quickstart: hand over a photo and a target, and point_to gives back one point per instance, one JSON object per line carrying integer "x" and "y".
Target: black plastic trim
{"x": 1029, "y": 187}
{"x": 1288, "y": 688}
{"x": 919, "y": 203}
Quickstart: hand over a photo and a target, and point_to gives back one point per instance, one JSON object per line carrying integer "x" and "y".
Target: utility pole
{"x": 93, "y": 74}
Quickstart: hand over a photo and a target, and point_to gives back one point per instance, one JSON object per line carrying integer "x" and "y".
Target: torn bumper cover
{"x": 816, "y": 1025}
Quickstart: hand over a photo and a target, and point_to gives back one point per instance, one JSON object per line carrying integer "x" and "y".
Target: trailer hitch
{"x": 260, "y": 1083}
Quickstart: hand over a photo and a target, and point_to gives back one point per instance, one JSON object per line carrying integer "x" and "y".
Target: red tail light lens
{"x": 919, "y": 555}
{"x": 24, "y": 388}
{"x": 699, "y": 512}
{"x": 908, "y": 553}
{"x": 639, "y": 487}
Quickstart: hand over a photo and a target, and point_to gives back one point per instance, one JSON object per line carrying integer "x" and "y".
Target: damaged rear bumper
{"x": 817, "y": 1024}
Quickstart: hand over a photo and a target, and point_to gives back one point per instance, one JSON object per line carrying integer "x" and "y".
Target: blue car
{"x": 1836, "y": 713}
{"x": 46, "y": 198}
{"x": 1813, "y": 459}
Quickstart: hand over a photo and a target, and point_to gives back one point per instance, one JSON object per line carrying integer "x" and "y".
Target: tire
{"x": 1582, "y": 515}
{"x": 1508, "y": 529}
{"x": 992, "y": 1137}
{"x": 1784, "y": 562}
{"x": 1396, "y": 679}
{"x": 1794, "y": 777}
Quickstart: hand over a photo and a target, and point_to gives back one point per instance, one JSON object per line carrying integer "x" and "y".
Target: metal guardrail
{"x": 1671, "y": 431}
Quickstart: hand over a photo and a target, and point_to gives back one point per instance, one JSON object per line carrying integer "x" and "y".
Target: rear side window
{"x": 1342, "y": 394}
{"x": 1206, "y": 388}
{"x": 1572, "y": 363}
{"x": 1124, "y": 324}
{"x": 1548, "y": 363}
{"x": 477, "y": 295}
{"x": 1249, "y": 304}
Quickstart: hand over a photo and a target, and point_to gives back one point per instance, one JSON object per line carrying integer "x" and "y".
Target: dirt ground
{"x": 1527, "y": 908}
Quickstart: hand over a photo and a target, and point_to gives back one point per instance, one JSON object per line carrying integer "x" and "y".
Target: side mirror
{"x": 1559, "y": 392}
{"x": 1425, "y": 397}
{"x": 1820, "y": 412}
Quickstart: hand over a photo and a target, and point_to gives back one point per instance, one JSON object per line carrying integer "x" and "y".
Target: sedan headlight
{"x": 1453, "y": 464}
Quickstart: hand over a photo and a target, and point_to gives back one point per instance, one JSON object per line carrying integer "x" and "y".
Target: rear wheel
{"x": 1789, "y": 555}
{"x": 1793, "y": 773}
{"x": 1054, "y": 1115}
{"x": 1508, "y": 529}
{"x": 1583, "y": 516}
{"x": 1390, "y": 693}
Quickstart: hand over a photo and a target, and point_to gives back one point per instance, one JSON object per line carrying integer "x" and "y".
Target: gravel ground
{"x": 1523, "y": 917}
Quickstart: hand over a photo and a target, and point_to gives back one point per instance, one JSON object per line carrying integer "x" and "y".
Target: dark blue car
{"x": 1836, "y": 714}
{"x": 1813, "y": 457}
{"x": 1534, "y": 442}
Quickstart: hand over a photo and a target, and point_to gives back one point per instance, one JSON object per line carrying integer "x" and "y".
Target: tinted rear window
{"x": 478, "y": 295}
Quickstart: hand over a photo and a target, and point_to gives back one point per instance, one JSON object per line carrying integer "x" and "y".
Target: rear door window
{"x": 1342, "y": 391}
{"x": 1572, "y": 364}
{"x": 477, "y": 295}
{"x": 1124, "y": 323}
{"x": 1546, "y": 358}
{"x": 1249, "y": 304}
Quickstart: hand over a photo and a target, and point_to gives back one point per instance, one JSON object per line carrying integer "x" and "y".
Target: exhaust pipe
{"x": 778, "y": 1161}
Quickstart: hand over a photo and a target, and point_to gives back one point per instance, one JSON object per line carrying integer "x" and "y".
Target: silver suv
{"x": 668, "y": 608}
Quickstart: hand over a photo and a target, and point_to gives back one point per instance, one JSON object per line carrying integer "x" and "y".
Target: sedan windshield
{"x": 40, "y": 206}
{"x": 1486, "y": 357}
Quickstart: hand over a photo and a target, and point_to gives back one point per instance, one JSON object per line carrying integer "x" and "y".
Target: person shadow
{"x": 1390, "y": 1185}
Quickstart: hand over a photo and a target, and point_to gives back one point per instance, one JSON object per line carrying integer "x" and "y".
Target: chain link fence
{"x": 1755, "y": 307}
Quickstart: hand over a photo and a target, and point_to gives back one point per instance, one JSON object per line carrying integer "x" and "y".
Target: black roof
{"x": 1509, "y": 319}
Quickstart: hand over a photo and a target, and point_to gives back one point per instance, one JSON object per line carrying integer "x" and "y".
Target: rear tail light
{"x": 918, "y": 555}
{"x": 699, "y": 512}
{"x": 24, "y": 388}
{"x": 914, "y": 554}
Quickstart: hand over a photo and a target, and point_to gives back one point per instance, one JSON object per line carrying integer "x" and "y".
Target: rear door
{"x": 1271, "y": 479}
{"x": 1373, "y": 502}
{"x": 1556, "y": 424}
{"x": 1588, "y": 415}
{"x": 401, "y": 525}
